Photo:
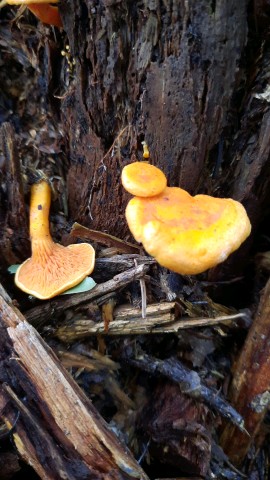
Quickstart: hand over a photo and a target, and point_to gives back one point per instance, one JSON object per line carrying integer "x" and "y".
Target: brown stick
{"x": 250, "y": 390}
{"x": 59, "y": 431}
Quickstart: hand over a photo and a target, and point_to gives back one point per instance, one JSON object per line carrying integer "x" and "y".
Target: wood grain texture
{"x": 250, "y": 389}
{"x": 59, "y": 432}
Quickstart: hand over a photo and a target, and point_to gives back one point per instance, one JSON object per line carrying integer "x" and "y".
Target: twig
{"x": 143, "y": 293}
{"x": 114, "y": 142}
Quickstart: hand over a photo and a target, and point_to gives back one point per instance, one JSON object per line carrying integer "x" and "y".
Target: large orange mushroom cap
{"x": 52, "y": 268}
{"x": 42, "y": 9}
{"x": 143, "y": 180}
{"x": 47, "y": 13}
{"x": 187, "y": 234}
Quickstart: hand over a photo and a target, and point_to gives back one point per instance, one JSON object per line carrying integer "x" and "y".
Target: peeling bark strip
{"x": 79, "y": 231}
{"x": 163, "y": 72}
{"x": 250, "y": 390}
{"x": 160, "y": 319}
{"x": 59, "y": 431}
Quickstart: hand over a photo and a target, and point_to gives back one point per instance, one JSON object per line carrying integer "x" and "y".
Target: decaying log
{"x": 178, "y": 429}
{"x": 245, "y": 166}
{"x": 250, "y": 150}
{"x": 250, "y": 389}
{"x": 58, "y": 432}
{"x": 163, "y": 73}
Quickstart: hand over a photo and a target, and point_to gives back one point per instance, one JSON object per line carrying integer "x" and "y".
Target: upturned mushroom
{"x": 187, "y": 234}
{"x": 143, "y": 179}
{"x": 42, "y": 9}
{"x": 52, "y": 268}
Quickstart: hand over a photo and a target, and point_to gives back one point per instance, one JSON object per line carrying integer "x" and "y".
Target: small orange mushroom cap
{"x": 187, "y": 234}
{"x": 143, "y": 180}
{"x": 52, "y": 268}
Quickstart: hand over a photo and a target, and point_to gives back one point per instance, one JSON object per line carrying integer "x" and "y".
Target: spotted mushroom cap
{"x": 187, "y": 234}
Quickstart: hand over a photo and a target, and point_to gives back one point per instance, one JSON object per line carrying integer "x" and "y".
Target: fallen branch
{"x": 58, "y": 431}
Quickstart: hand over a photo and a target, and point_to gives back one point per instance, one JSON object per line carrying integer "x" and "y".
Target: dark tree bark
{"x": 160, "y": 72}
{"x": 190, "y": 78}
{"x": 186, "y": 77}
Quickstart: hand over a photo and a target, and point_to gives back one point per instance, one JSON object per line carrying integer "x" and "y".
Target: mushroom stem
{"x": 42, "y": 243}
{"x": 52, "y": 268}
{"x": 39, "y": 213}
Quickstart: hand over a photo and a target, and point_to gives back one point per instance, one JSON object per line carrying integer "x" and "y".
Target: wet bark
{"x": 13, "y": 216}
{"x": 163, "y": 73}
{"x": 189, "y": 78}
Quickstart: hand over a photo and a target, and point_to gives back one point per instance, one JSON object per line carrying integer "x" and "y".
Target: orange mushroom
{"x": 42, "y": 9}
{"x": 187, "y": 234}
{"x": 146, "y": 153}
{"x": 143, "y": 179}
{"x": 52, "y": 268}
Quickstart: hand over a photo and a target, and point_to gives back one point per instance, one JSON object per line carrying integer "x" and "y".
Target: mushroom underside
{"x": 56, "y": 269}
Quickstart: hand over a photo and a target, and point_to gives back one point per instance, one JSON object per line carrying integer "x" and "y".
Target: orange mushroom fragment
{"x": 187, "y": 234}
{"x": 146, "y": 153}
{"x": 143, "y": 180}
{"x": 52, "y": 268}
{"x": 42, "y": 9}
